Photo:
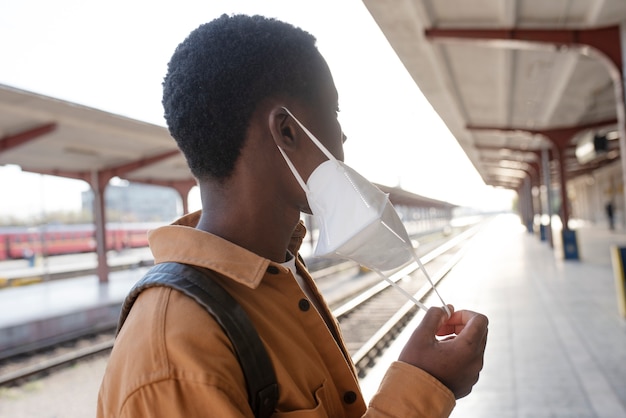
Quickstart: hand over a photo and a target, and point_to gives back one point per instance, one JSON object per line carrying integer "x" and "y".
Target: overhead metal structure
{"x": 50, "y": 136}
{"x": 521, "y": 84}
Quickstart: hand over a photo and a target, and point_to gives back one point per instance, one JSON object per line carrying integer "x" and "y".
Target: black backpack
{"x": 198, "y": 283}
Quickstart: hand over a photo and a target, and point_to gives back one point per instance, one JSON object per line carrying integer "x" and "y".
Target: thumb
{"x": 434, "y": 319}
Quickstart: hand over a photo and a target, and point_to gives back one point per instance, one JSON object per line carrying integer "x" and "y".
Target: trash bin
{"x": 570, "y": 245}
{"x": 618, "y": 256}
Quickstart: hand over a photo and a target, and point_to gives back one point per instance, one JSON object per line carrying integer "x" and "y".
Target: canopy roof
{"x": 50, "y": 136}
{"x": 512, "y": 77}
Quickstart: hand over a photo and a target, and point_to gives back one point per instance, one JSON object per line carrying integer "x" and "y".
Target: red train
{"x": 24, "y": 242}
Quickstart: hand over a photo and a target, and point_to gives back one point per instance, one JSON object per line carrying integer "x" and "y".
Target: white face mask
{"x": 356, "y": 219}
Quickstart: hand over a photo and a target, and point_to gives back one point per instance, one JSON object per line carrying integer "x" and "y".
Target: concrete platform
{"x": 557, "y": 342}
{"x": 36, "y": 307}
{"x": 19, "y": 272}
{"x": 54, "y": 310}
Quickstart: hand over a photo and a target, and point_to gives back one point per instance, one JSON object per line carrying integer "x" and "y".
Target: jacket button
{"x": 273, "y": 270}
{"x": 304, "y": 305}
{"x": 349, "y": 397}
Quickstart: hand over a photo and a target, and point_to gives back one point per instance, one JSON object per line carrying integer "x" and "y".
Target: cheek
{"x": 337, "y": 150}
{"x": 334, "y": 143}
{"x": 288, "y": 186}
{"x": 339, "y": 154}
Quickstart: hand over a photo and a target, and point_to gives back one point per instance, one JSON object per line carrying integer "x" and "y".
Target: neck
{"x": 245, "y": 218}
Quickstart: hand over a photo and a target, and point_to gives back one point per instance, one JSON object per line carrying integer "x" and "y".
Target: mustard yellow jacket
{"x": 171, "y": 359}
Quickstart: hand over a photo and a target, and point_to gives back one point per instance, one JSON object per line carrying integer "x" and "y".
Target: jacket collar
{"x": 181, "y": 242}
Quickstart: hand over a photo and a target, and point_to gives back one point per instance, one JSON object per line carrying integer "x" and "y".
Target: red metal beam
{"x": 605, "y": 40}
{"x": 123, "y": 169}
{"x": 15, "y": 140}
{"x": 560, "y": 136}
{"x": 110, "y": 172}
{"x": 531, "y": 169}
{"x": 536, "y": 152}
{"x": 504, "y": 184}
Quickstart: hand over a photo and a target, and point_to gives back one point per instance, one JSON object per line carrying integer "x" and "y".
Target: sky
{"x": 113, "y": 55}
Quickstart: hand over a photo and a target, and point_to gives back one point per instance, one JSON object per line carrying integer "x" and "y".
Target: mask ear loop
{"x": 315, "y": 141}
{"x": 294, "y": 171}
{"x": 313, "y": 138}
{"x": 401, "y": 290}
{"x": 415, "y": 257}
{"x": 432, "y": 285}
{"x": 423, "y": 269}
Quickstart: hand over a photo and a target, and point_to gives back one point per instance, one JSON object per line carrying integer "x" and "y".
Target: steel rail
{"x": 60, "y": 360}
{"x": 364, "y": 357}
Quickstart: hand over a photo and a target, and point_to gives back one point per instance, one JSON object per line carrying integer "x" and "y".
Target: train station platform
{"x": 36, "y": 305}
{"x": 557, "y": 342}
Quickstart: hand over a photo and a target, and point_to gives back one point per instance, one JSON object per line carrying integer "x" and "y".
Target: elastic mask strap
{"x": 294, "y": 171}
{"x": 401, "y": 290}
{"x": 423, "y": 269}
{"x": 332, "y": 157}
{"x": 313, "y": 138}
{"x": 432, "y": 285}
{"x": 410, "y": 296}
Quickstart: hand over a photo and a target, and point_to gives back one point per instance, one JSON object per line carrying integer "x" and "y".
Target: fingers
{"x": 456, "y": 361}
{"x": 476, "y": 327}
{"x": 475, "y": 330}
{"x": 469, "y": 321}
{"x": 433, "y": 321}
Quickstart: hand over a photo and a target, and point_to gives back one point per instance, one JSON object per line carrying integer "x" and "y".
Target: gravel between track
{"x": 67, "y": 393}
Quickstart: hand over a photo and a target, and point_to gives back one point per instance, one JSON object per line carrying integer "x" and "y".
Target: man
{"x": 609, "y": 214}
{"x": 226, "y": 95}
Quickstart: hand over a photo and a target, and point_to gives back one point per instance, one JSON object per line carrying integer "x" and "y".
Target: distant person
{"x": 29, "y": 255}
{"x": 233, "y": 91}
{"x": 609, "y": 214}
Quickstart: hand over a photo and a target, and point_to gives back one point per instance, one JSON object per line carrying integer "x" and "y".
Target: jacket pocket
{"x": 320, "y": 410}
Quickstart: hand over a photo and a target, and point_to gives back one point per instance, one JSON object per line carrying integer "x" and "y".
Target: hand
{"x": 456, "y": 360}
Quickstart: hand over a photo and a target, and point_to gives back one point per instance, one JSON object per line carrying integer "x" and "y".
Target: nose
{"x": 344, "y": 137}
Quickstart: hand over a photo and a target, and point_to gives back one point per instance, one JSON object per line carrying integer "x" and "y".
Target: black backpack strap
{"x": 197, "y": 283}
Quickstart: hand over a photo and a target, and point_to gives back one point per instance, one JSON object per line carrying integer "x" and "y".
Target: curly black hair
{"x": 221, "y": 72}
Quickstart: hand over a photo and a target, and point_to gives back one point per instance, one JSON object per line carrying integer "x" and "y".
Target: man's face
{"x": 321, "y": 119}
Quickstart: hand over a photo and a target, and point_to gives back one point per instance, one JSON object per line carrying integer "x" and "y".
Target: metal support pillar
{"x": 100, "y": 222}
{"x": 526, "y": 202}
{"x": 545, "y": 163}
{"x": 183, "y": 189}
{"x": 565, "y": 210}
{"x": 620, "y": 93}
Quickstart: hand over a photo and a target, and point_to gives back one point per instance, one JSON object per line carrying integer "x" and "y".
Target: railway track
{"x": 371, "y": 320}
{"x": 17, "y": 369}
{"x": 370, "y": 317}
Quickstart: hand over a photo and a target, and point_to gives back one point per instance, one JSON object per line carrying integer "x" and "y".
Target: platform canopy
{"x": 513, "y": 77}
{"x": 49, "y": 136}
{"x": 510, "y": 78}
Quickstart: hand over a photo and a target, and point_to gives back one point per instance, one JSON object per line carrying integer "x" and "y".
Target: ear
{"x": 283, "y": 128}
